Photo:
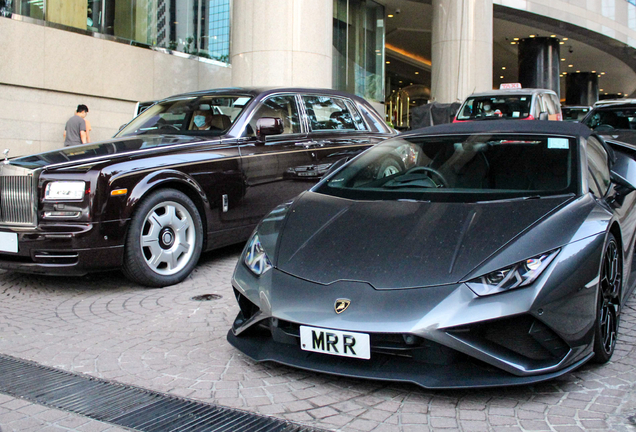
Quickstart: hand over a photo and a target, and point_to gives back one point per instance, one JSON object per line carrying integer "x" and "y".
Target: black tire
{"x": 164, "y": 239}
{"x": 608, "y": 301}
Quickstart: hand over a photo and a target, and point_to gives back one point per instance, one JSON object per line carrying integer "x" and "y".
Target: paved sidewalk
{"x": 160, "y": 339}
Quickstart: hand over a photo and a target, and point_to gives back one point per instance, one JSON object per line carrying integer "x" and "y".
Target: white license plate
{"x": 307, "y": 174}
{"x": 8, "y": 242}
{"x": 335, "y": 342}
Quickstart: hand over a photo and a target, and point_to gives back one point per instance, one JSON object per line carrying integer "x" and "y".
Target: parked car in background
{"x": 502, "y": 254}
{"x": 511, "y": 104}
{"x": 604, "y": 102}
{"x": 615, "y": 120}
{"x": 575, "y": 113}
{"x": 191, "y": 173}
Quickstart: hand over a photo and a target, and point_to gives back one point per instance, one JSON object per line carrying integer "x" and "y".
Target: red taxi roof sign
{"x": 505, "y": 86}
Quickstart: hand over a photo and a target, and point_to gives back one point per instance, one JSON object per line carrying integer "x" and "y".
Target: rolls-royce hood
{"x": 111, "y": 149}
{"x": 399, "y": 244}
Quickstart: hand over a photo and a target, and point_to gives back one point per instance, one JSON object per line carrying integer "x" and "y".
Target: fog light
{"x": 61, "y": 214}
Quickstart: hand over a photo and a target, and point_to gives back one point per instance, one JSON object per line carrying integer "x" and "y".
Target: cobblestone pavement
{"x": 160, "y": 339}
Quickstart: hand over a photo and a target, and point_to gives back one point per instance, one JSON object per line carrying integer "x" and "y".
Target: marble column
{"x": 462, "y": 43}
{"x": 282, "y": 43}
{"x": 539, "y": 64}
{"x": 581, "y": 88}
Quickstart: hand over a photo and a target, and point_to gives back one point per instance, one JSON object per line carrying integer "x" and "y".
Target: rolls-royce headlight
{"x": 515, "y": 276}
{"x": 255, "y": 257}
{"x": 65, "y": 190}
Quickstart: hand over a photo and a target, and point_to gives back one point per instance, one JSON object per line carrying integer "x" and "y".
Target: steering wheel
{"x": 604, "y": 126}
{"x": 428, "y": 170}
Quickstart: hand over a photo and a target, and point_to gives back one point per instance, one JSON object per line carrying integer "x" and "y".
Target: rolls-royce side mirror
{"x": 269, "y": 126}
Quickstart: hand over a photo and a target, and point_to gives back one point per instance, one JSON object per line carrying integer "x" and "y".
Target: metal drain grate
{"x": 128, "y": 406}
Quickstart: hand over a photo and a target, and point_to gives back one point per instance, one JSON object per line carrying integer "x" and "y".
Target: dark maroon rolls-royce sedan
{"x": 191, "y": 173}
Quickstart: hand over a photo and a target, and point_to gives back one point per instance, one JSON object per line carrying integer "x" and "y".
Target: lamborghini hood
{"x": 399, "y": 244}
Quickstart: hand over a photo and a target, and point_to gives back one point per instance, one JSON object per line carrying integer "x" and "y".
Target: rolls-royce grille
{"x": 16, "y": 199}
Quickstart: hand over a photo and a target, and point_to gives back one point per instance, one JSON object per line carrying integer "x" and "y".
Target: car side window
{"x": 283, "y": 107}
{"x": 598, "y": 169}
{"x": 328, "y": 113}
{"x": 557, "y": 104}
{"x": 538, "y": 106}
{"x": 549, "y": 104}
{"x": 357, "y": 118}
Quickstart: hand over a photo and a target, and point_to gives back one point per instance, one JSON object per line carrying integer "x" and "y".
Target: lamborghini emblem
{"x": 341, "y": 305}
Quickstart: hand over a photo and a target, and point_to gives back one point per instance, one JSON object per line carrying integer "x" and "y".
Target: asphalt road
{"x": 161, "y": 339}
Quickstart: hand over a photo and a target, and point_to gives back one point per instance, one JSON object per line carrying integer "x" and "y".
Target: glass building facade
{"x": 197, "y": 27}
{"x": 358, "y": 48}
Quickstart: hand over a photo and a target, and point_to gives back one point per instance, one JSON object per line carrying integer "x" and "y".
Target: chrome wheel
{"x": 168, "y": 238}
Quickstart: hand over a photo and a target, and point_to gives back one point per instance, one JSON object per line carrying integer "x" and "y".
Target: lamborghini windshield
{"x": 460, "y": 168}
{"x": 200, "y": 115}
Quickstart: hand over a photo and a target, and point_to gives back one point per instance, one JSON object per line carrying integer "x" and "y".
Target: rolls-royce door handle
{"x": 313, "y": 144}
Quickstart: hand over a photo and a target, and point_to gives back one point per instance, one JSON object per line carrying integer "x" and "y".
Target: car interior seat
{"x": 221, "y": 122}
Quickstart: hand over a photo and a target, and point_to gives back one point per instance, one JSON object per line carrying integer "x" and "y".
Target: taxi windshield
{"x": 496, "y": 107}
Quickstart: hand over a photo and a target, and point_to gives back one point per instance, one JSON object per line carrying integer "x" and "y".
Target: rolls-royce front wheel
{"x": 164, "y": 239}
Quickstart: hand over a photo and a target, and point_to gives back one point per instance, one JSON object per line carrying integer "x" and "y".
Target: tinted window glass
{"x": 598, "y": 167}
{"x": 283, "y": 107}
{"x": 494, "y": 107}
{"x": 612, "y": 118}
{"x": 178, "y": 116}
{"x": 357, "y": 118}
{"x": 328, "y": 113}
{"x": 574, "y": 113}
{"x": 375, "y": 123}
{"x": 460, "y": 168}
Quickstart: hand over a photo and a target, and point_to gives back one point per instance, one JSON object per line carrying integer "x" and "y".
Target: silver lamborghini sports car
{"x": 465, "y": 255}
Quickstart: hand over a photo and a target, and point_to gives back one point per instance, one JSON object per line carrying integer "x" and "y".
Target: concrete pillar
{"x": 581, "y": 88}
{"x": 539, "y": 63}
{"x": 462, "y": 48}
{"x": 282, "y": 43}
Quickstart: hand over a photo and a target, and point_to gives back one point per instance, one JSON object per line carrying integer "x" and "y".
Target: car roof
{"x": 614, "y": 105}
{"x": 512, "y": 92}
{"x": 506, "y": 126}
{"x": 613, "y": 102}
{"x": 256, "y": 91}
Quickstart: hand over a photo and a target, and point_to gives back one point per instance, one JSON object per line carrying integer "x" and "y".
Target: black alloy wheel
{"x": 608, "y": 304}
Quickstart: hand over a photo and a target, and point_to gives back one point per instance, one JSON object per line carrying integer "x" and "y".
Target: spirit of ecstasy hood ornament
{"x": 6, "y": 155}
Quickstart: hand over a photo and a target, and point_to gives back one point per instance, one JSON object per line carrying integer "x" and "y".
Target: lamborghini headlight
{"x": 65, "y": 190}
{"x": 255, "y": 258}
{"x": 515, "y": 276}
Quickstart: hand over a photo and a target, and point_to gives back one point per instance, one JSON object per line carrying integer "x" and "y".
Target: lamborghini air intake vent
{"x": 523, "y": 335}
